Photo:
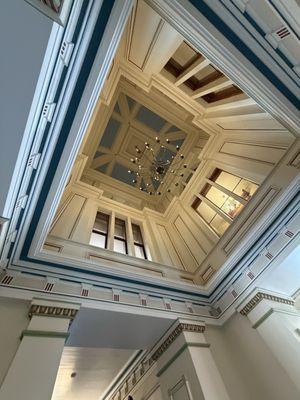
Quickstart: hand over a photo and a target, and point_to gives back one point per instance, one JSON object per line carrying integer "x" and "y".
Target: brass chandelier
{"x": 153, "y": 167}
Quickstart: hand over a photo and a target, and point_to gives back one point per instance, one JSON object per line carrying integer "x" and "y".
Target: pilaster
{"x": 33, "y": 371}
{"x": 185, "y": 365}
{"x": 276, "y": 319}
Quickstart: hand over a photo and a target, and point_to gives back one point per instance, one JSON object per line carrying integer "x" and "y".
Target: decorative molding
{"x": 57, "y": 10}
{"x": 52, "y": 311}
{"x": 182, "y": 327}
{"x": 261, "y": 296}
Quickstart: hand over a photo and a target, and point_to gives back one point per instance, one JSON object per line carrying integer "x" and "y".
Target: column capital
{"x": 52, "y": 308}
{"x": 259, "y": 295}
{"x": 174, "y": 332}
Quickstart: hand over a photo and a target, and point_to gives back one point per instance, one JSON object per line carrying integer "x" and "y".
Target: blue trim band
{"x": 74, "y": 103}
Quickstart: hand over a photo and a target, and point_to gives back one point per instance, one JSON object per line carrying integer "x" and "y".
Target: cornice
{"x": 182, "y": 327}
{"x": 145, "y": 365}
{"x": 258, "y": 297}
{"x": 52, "y": 311}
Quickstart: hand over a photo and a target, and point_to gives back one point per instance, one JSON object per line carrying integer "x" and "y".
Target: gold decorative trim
{"x": 52, "y": 311}
{"x": 182, "y": 327}
{"x": 259, "y": 297}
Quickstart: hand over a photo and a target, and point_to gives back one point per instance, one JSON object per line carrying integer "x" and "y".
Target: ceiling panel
{"x": 95, "y": 369}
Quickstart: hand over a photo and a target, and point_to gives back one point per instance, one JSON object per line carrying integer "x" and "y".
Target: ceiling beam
{"x": 101, "y": 160}
{"x": 218, "y": 84}
{"x": 195, "y": 67}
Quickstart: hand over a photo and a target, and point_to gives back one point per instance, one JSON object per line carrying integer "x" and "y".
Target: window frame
{"x": 121, "y": 239}
{"x": 138, "y": 244}
{"x": 98, "y": 232}
{"x": 211, "y": 183}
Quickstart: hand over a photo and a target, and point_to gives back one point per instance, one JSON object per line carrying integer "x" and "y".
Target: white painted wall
{"x": 24, "y": 34}
{"x": 13, "y": 320}
{"x": 248, "y": 368}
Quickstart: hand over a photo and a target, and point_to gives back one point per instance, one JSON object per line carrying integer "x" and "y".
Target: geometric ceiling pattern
{"x": 133, "y": 124}
{"x": 194, "y": 74}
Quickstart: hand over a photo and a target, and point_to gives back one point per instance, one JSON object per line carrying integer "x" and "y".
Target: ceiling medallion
{"x": 154, "y": 165}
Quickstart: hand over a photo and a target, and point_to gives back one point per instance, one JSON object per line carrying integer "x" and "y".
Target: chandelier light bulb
{"x": 157, "y": 167}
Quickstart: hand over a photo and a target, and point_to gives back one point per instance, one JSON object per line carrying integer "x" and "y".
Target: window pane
{"x": 120, "y": 228}
{"x": 137, "y": 235}
{"x": 227, "y": 180}
{"x": 232, "y": 207}
{"x": 206, "y": 212}
{"x": 101, "y": 222}
{"x": 219, "y": 224}
{"x": 97, "y": 240}
{"x": 245, "y": 189}
{"x": 216, "y": 196}
{"x": 120, "y": 246}
{"x": 139, "y": 251}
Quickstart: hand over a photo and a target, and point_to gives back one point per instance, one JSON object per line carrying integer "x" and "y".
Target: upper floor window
{"x": 222, "y": 198}
{"x": 116, "y": 237}
{"x": 120, "y": 241}
{"x": 138, "y": 242}
{"x": 100, "y": 231}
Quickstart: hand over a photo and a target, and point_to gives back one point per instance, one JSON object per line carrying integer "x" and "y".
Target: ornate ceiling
{"x": 132, "y": 124}
{"x": 160, "y": 86}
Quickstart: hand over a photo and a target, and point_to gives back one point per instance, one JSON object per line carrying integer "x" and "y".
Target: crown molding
{"x": 261, "y": 295}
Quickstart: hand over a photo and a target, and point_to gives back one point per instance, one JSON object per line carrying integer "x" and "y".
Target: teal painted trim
{"x": 271, "y": 311}
{"x": 263, "y": 318}
{"x": 47, "y": 334}
{"x": 178, "y": 353}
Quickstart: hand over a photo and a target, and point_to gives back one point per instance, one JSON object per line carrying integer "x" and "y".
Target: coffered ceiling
{"x": 132, "y": 124}
{"x": 160, "y": 86}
